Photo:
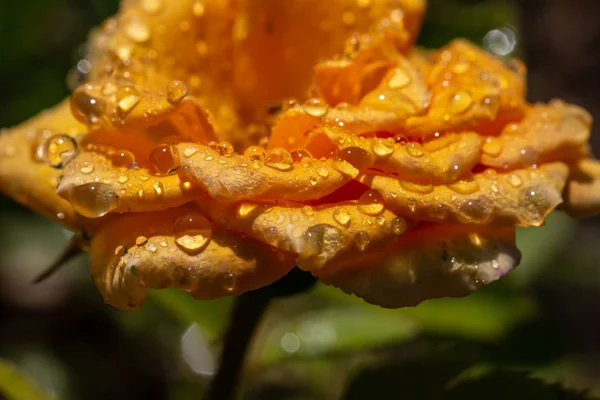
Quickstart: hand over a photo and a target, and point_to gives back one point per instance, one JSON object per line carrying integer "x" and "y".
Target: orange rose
{"x": 399, "y": 175}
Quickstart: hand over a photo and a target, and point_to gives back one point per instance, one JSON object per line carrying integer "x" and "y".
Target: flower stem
{"x": 245, "y": 317}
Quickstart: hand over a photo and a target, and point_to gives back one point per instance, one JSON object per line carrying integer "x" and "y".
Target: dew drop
{"x": 123, "y": 159}
{"x": 141, "y": 240}
{"x": 515, "y": 180}
{"x": 492, "y": 147}
{"x": 341, "y": 216}
{"x": 93, "y": 200}
{"x": 380, "y": 220}
{"x": 192, "y": 232}
{"x": 225, "y": 149}
{"x": 279, "y": 159}
{"x": 371, "y": 202}
{"x": 400, "y": 79}
{"x": 398, "y": 226}
{"x": 189, "y": 151}
{"x": 460, "y": 102}
{"x": 464, "y": 186}
{"x": 300, "y": 154}
{"x": 308, "y": 211}
{"x": 323, "y": 172}
{"x": 127, "y": 98}
{"x": 416, "y": 187}
{"x": 359, "y": 158}
{"x": 123, "y": 179}
{"x": 383, "y": 148}
{"x": 313, "y": 180}
{"x": 87, "y": 169}
{"x": 414, "y": 149}
{"x": 315, "y": 107}
{"x": 176, "y": 91}
{"x": 163, "y": 160}
{"x": 86, "y": 106}
{"x": 255, "y": 153}
{"x": 246, "y": 209}
{"x": 58, "y": 150}
{"x": 159, "y": 189}
{"x": 362, "y": 240}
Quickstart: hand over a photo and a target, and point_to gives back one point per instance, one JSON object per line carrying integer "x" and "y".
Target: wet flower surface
{"x": 216, "y": 144}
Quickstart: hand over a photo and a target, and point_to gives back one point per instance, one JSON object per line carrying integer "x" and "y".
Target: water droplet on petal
{"x": 176, "y": 91}
{"x": 87, "y": 107}
{"x": 416, "y": 187}
{"x": 225, "y": 149}
{"x": 399, "y": 80}
{"x": 300, "y": 154}
{"x": 255, "y": 153}
{"x": 123, "y": 179}
{"x": 398, "y": 226}
{"x": 460, "y": 102}
{"x": 383, "y": 148}
{"x": 464, "y": 186}
{"x": 141, "y": 240}
{"x": 279, "y": 159}
{"x": 159, "y": 189}
{"x": 189, "y": 151}
{"x": 414, "y": 149}
{"x": 192, "y": 232}
{"x": 163, "y": 160}
{"x": 362, "y": 240}
{"x": 58, "y": 150}
{"x": 87, "y": 169}
{"x": 341, "y": 216}
{"x": 93, "y": 200}
{"x": 316, "y": 107}
{"x": 127, "y": 98}
{"x": 123, "y": 158}
{"x": 515, "y": 180}
{"x": 371, "y": 202}
{"x": 492, "y": 147}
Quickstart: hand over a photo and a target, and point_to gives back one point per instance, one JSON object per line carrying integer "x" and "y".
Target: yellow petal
{"x": 274, "y": 176}
{"x": 95, "y": 187}
{"x": 440, "y": 160}
{"x": 318, "y": 235}
{"x": 434, "y": 261}
{"x": 25, "y": 173}
{"x": 582, "y": 193}
{"x": 522, "y": 197}
{"x": 553, "y": 132}
{"x": 163, "y": 249}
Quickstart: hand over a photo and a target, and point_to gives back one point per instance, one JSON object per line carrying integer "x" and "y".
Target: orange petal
{"x": 178, "y": 248}
{"x": 582, "y": 193}
{"x": 95, "y": 187}
{"x": 471, "y": 89}
{"x": 522, "y": 197}
{"x": 317, "y": 235}
{"x": 25, "y": 173}
{"x": 273, "y": 176}
{"x": 440, "y": 160}
{"x": 554, "y": 132}
{"x": 432, "y": 262}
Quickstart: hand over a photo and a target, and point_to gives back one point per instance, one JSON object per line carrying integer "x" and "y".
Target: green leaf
{"x": 14, "y": 386}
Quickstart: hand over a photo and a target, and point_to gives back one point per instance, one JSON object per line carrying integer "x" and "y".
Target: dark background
{"x": 535, "y": 335}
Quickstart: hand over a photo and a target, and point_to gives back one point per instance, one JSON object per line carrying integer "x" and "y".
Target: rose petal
{"x": 317, "y": 235}
{"x": 553, "y": 132}
{"x": 140, "y": 251}
{"x": 274, "y": 177}
{"x": 432, "y": 262}
{"x": 582, "y": 193}
{"x": 440, "y": 160}
{"x": 522, "y": 197}
{"x": 27, "y": 176}
{"x": 95, "y": 187}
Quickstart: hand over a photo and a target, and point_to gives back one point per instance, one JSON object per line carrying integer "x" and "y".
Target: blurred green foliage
{"x": 515, "y": 339}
